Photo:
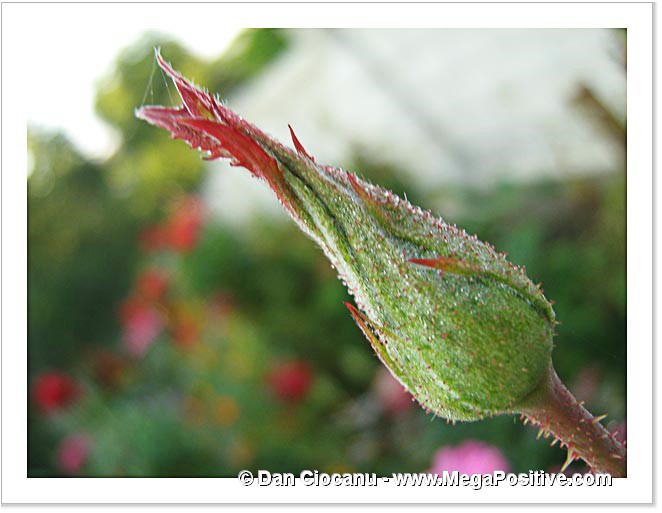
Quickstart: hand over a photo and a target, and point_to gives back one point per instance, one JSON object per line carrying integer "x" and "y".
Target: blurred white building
{"x": 475, "y": 106}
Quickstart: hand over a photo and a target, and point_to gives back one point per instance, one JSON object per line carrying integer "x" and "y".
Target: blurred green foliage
{"x": 200, "y": 402}
{"x": 81, "y": 242}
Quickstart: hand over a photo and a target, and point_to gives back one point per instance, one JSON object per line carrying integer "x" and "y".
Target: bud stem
{"x": 556, "y": 411}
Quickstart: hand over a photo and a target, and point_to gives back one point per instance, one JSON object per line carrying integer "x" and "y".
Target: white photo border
{"x": 636, "y": 17}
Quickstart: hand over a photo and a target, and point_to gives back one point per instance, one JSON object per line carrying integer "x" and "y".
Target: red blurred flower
{"x": 184, "y": 224}
{"x": 142, "y": 323}
{"x": 392, "y": 396}
{"x": 152, "y": 283}
{"x": 470, "y": 457}
{"x": 290, "y": 381}
{"x": 73, "y": 452}
{"x": 180, "y": 232}
{"x": 54, "y": 390}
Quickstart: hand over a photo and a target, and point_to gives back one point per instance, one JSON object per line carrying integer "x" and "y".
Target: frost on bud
{"x": 465, "y": 331}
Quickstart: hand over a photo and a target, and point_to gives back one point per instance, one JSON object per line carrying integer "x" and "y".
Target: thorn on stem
{"x": 568, "y": 461}
{"x": 599, "y": 418}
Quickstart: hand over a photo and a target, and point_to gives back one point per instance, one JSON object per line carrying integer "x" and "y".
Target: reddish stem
{"x": 555, "y": 410}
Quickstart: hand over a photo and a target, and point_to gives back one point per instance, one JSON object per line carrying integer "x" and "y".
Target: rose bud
{"x": 466, "y": 332}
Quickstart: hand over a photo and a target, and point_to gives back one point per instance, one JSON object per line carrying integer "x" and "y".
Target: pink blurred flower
{"x": 470, "y": 457}
{"x": 290, "y": 381}
{"x": 73, "y": 452}
{"x": 52, "y": 391}
{"x": 142, "y": 323}
{"x": 392, "y": 396}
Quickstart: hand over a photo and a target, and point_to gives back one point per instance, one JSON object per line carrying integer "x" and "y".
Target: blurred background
{"x": 181, "y": 325}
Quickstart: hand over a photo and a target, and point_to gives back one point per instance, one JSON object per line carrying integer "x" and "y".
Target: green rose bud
{"x": 464, "y": 330}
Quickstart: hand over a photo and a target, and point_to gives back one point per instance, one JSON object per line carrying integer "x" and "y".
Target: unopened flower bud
{"x": 464, "y": 330}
